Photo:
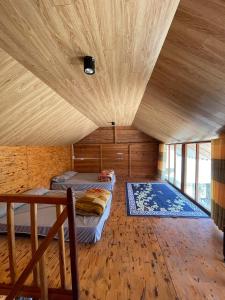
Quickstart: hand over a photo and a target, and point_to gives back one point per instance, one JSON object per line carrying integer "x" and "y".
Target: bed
{"x": 45, "y": 260}
{"x": 83, "y": 181}
{"x": 89, "y": 228}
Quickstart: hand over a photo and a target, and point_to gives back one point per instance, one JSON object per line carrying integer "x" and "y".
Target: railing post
{"x": 34, "y": 240}
{"x": 43, "y": 279}
{"x": 72, "y": 244}
{"x": 62, "y": 254}
{"x": 11, "y": 241}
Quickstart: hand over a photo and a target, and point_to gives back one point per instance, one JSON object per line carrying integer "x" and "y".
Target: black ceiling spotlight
{"x": 112, "y": 123}
{"x": 89, "y": 65}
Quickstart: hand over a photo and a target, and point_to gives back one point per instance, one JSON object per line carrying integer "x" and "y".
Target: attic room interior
{"x": 112, "y": 149}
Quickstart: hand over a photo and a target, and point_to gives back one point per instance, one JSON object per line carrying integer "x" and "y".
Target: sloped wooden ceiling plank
{"x": 185, "y": 97}
{"x": 50, "y": 37}
{"x": 33, "y": 114}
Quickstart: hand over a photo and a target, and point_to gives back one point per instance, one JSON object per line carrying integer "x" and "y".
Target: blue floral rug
{"x": 161, "y": 200}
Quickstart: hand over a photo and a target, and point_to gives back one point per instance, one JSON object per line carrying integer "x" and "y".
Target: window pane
{"x": 190, "y": 170}
{"x": 171, "y": 175}
{"x": 178, "y": 165}
{"x": 204, "y": 177}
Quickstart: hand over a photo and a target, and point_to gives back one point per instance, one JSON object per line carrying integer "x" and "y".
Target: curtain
{"x": 162, "y": 161}
{"x": 218, "y": 182}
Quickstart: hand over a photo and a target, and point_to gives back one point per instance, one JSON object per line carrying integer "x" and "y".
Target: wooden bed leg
{"x": 73, "y": 244}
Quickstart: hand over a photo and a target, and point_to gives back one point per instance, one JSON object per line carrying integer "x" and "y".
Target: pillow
{"x": 36, "y": 191}
{"x": 70, "y": 173}
{"x": 60, "y": 178}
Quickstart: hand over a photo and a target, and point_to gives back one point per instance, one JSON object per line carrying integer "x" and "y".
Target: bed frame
{"x": 39, "y": 289}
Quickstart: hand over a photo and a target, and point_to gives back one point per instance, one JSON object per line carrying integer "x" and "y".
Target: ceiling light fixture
{"x": 89, "y": 65}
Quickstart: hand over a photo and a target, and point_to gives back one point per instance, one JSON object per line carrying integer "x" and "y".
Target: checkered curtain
{"x": 218, "y": 182}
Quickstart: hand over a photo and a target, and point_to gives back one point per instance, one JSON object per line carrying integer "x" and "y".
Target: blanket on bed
{"x": 93, "y": 202}
{"x": 106, "y": 175}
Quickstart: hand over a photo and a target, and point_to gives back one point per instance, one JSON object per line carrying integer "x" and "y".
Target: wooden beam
{"x": 196, "y": 172}
{"x": 183, "y": 167}
{"x": 169, "y": 163}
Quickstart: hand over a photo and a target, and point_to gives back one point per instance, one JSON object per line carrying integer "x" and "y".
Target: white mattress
{"x": 89, "y": 228}
{"x": 83, "y": 181}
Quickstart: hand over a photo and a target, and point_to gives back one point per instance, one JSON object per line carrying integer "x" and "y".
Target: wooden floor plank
{"x": 140, "y": 258}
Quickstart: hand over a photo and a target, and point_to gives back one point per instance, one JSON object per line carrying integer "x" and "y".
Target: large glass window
{"x": 178, "y": 165}
{"x": 171, "y": 164}
{"x": 197, "y": 171}
{"x": 204, "y": 175}
{"x": 190, "y": 174}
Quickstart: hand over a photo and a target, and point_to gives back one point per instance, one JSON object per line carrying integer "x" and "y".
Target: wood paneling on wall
{"x": 144, "y": 158}
{"x": 25, "y": 167}
{"x": 134, "y": 154}
{"x": 87, "y": 158}
{"x": 115, "y": 156}
{"x": 124, "y": 134}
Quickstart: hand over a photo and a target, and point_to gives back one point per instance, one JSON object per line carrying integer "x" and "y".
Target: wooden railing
{"x": 65, "y": 209}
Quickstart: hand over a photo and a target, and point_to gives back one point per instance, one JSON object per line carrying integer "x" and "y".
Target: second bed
{"x": 83, "y": 181}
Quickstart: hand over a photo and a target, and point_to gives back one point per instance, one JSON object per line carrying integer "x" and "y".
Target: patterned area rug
{"x": 161, "y": 200}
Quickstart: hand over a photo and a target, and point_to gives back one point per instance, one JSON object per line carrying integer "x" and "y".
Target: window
{"x": 204, "y": 175}
{"x": 171, "y": 164}
{"x": 190, "y": 174}
{"x": 197, "y": 170}
{"x": 178, "y": 165}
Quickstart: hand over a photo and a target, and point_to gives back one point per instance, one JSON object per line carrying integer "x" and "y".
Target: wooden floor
{"x": 146, "y": 258}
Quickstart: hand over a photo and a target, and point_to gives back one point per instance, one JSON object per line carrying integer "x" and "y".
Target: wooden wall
{"x": 133, "y": 154}
{"x": 25, "y": 167}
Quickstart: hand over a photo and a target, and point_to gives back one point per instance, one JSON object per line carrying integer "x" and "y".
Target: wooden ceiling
{"x": 56, "y": 103}
{"x": 31, "y": 113}
{"x": 185, "y": 97}
{"x": 50, "y": 37}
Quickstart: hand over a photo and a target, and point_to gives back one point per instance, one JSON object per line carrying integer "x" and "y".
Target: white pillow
{"x": 60, "y": 178}
{"x": 70, "y": 173}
